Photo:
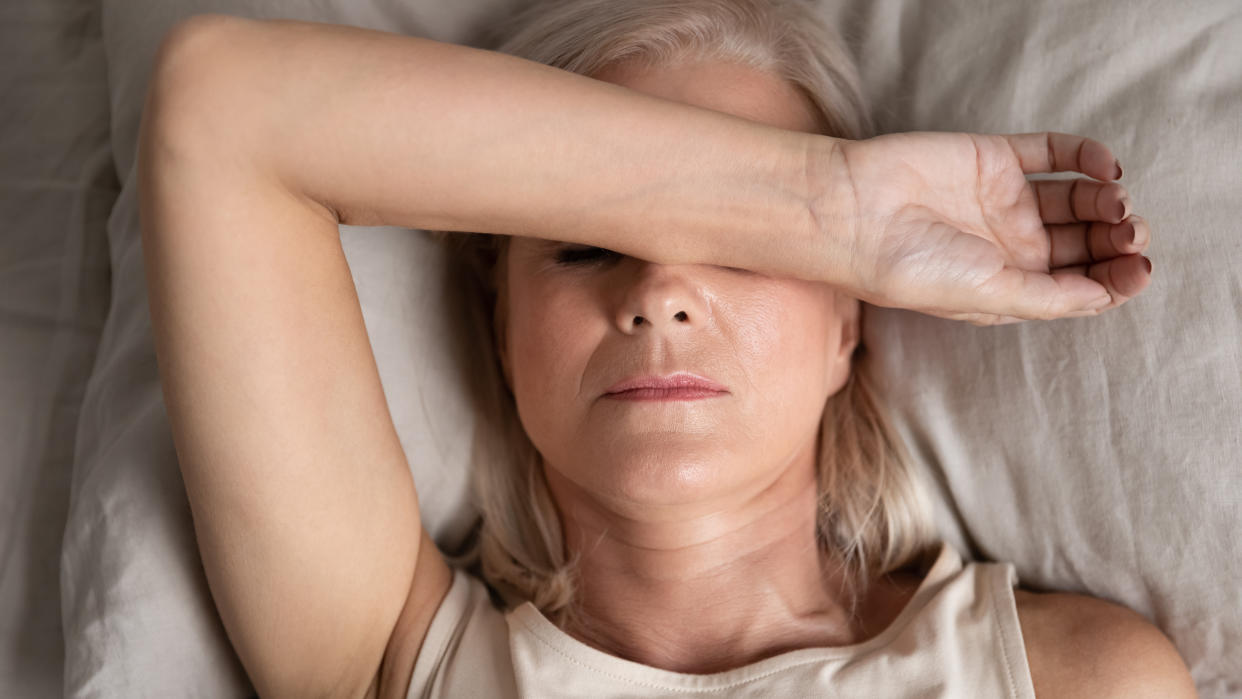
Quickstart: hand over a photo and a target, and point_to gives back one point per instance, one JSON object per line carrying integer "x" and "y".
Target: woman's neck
{"x": 713, "y": 591}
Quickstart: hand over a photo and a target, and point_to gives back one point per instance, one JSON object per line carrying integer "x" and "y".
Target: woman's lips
{"x": 678, "y": 386}
{"x": 665, "y": 394}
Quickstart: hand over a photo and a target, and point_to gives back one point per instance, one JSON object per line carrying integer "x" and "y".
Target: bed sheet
{"x": 57, "y": 185}
{"x": 1098, "y": 455}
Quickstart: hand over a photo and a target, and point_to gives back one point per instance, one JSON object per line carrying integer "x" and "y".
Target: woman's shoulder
{"x": 1078, "y": 645}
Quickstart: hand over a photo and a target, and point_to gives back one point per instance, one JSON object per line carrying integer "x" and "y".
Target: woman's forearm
{"x": 383, "y": 129}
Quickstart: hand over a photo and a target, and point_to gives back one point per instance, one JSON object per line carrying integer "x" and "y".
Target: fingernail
{"x": 1125, "y": 208}
{"x": 1118, "y": 164}
{"x": 1148, "y": 263}
{"x": 1135, "y": 220}
{"x": 1099, "y": 303}
{"x": 1131, "y": 235}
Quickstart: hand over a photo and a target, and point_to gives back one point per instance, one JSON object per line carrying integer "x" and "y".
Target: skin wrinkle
{"x": 1052, "y": 247}
{"x": 980, "y": 178}
{"x": 1073, "y": 198}
{"x": 696, "y": 520}
{"x": 849, "y": 173}
{"x": 1039, "y": 197}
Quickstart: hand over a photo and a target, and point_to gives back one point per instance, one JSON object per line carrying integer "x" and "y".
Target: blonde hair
{"x": 873, "y": 513}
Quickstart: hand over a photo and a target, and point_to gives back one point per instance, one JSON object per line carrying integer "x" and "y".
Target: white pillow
{"x": 1096, "y": 454}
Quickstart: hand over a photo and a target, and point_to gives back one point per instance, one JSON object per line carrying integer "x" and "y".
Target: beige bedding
{"x": 1099, "y": 455}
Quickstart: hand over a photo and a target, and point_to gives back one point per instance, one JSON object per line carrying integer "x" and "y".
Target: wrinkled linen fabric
{"x": 1097, "y": 455}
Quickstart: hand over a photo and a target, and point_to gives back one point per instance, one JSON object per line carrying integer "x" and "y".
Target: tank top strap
{"x": 1000, "y": 580}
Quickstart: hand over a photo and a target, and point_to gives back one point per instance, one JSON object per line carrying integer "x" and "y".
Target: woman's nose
{"x": 659, "y": 297}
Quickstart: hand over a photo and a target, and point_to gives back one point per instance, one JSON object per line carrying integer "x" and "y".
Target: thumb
{"x": 1039, "y": 295}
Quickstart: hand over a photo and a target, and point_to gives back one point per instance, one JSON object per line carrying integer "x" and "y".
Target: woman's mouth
{"x": 688, "y": 393}
{"x": 679, "y": 386}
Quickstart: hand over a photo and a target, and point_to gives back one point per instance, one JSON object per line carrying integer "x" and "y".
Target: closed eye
{"x": 584, "y": 254}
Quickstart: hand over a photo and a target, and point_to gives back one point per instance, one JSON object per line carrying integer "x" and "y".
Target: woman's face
{"x": 580, "y": 320}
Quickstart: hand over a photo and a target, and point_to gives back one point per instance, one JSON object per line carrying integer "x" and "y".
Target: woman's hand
{"x": 947, "y": 224}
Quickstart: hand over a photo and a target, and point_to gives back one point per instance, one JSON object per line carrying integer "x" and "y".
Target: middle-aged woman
{"x": 676, "y": 304}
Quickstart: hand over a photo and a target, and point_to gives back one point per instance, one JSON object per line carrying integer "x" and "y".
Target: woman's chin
{"x": 671, "y": 469}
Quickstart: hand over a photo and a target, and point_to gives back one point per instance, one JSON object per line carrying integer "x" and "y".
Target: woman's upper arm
{"x": 304, "y": 508}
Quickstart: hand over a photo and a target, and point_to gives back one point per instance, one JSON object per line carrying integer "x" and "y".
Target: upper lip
{"x": 680, "y": 379}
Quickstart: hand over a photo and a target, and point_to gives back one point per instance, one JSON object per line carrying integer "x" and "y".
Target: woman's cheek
{"x": 757, "y": 337}
{"x": 548, "y": 345}
{"x": 788, "y": 342}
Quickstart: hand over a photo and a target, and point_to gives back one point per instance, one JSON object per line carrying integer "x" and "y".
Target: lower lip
{"x": 679, "y": 393}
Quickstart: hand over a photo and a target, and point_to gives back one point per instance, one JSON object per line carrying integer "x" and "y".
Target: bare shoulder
{"x": 1081, "y": 646}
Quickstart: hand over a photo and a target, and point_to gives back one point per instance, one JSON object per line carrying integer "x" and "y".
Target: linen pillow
{"x": 1074, "y": 429}
{"x": 1100, "y": 455}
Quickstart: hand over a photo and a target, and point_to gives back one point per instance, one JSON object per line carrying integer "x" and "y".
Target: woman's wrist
{"x": 828, "y": 251}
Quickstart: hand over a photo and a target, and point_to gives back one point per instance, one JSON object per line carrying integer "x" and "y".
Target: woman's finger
{"x": 1079, "y": 199}
{"x": 1007, "y": 320}
{"x": 1050, "y": 151}
{"x": 1088, "y": 243}
{"x": 980, "y": 319}
{"x": 1124, "y": 277}
{"x": 1020, "y": 293}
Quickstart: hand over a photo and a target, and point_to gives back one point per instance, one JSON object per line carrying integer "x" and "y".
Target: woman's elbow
{"x": 193, "y": 73}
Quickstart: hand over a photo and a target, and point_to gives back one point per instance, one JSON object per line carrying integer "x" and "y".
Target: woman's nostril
{"x": 679, "y": 316}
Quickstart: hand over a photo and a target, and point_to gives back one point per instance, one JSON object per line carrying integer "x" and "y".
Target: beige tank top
{"x": 958, "y": 636}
